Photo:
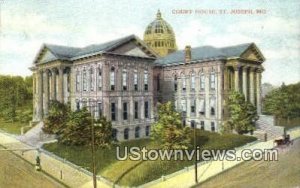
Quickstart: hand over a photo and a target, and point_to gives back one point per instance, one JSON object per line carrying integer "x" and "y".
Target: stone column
{"x": 60, "y": 93}
{"x": 226, "y": 83}
{"x": 46, "y": 92}
{"x": 236, "y": 79}
{"x": 245, "y": 82}
{"x": 39, "y": 110}
{"x": 219, "y": 93}
{"x": 34, "y": 97}
{"x": 258, "y": 91}
{"x": 252, "y": 97}
{"x": 53, "y": 84}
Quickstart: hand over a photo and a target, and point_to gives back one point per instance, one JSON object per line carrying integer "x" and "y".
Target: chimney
{"x": 188, "y": 54}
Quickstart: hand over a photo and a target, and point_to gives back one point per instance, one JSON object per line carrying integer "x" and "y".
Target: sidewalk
{"x": 60, "y": 169}
{"x": 210, "y": 169}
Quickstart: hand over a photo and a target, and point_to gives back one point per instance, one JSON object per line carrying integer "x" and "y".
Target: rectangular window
{"x": 212, "y": 81}
{"x": 202, "y": 125}
{"x": 113, "y": 111}
{"x": 202, "y": 82}
{"x": 136, "y": 110}
{"x": 202, "y": 107}
{"x": 146, "y": 80}
{"x": 193, "y": 106}
{"x": 84, "y": 81}
{"x": 77, "y": 105}
{"x": 158, "y": 83}
{"x": 135, "y": 80}
{"x": 183, "y": 105}
{"x": 99, "y": 79}
{"x": 124, "y": 79}
{"x": 125, "y": 115}
{"x": 112, "y": 80}
{"x": 91, "y": 79}
{"x": 99, "y": 109}
{"x": 193, "y": 82}
{"x": 213, "y": 128}
{"x": 77, "y": 81}
{"x": 146, "y": 108}
{"x": 183, "y": 84}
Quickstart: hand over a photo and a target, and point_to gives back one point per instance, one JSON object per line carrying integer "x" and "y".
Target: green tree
{"x": 57, "y": 118}
{"x": 78, "y": 130}
{"x": 103, "y": 132}
{"x": 283, "y": 102}
{"x": 168, "y": 130}
{"x": 242, "y": 114}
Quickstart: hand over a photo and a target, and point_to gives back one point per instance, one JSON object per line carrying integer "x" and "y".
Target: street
{"x": 15, "y": 172}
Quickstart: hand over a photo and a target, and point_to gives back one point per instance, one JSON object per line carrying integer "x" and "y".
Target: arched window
{"x": 193, "y": 81}
{"x": 77, "y": 81}
{"x": 147, "y": 130}
{"x": 84, "y": 81}
{"x": 212, "y": 80}
{"x": 126, "y": 134}
{"x": 115, "y": 134}
{"x": 183, "y": 83}
{"x": 135, "y": 80}
{"x": 92, "y": 79}
{"x": 99, "y": 79}
{"x": 146, "y": 80}
{"x": 137, "y": 132}
{"x": 175, "y": 83}
{"x": 124, "y": 79}
{"x": 202, "y": 81}
{"x": 112, "y": 78}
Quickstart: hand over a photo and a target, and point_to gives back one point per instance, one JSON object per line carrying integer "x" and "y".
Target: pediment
{"x": 47, "y": 56}
{"x": 253, "y": 53}
{"x": 134, "y": 47}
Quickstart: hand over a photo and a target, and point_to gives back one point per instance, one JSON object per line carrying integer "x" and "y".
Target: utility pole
{"x": 93, "y": 150}
{"x": 195, "y": 149}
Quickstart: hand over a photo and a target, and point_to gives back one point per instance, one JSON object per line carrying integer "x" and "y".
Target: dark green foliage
{"x": 15, "y": 92}
{"x": 284, "y": 102}
{"x": 169, "y": 130}
{"x": 103, "y": 132}
{"x": 77, "y": 129}
{"x": 242, "y": 114}
{"x": 57, "y": 117}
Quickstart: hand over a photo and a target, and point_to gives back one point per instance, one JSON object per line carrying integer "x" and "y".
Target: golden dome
{"x": 160, "y": 36}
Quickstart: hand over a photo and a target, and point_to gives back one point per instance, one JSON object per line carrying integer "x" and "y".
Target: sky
{"x": 26, "y": 24}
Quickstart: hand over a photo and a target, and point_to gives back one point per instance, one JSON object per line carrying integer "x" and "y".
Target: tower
{"x": 160, "y": 36}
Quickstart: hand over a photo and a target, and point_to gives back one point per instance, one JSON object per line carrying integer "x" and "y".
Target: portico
{"x": 49, "y": 83}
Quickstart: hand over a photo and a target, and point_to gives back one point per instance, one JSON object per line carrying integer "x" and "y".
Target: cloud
{"x": 192, "y": 34}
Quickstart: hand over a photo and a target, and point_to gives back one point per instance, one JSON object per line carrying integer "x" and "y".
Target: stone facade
{"x": 125, "y": 79}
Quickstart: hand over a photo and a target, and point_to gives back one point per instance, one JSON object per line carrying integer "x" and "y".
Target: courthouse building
{"x": 125, "y": 79}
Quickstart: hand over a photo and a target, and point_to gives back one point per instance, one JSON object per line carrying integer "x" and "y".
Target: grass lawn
{"x": 133, "y": 173}
{"x": 12, "y": 127}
